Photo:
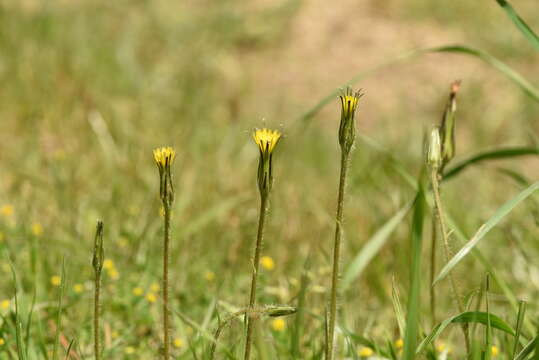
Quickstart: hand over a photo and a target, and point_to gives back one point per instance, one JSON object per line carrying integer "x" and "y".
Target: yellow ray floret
{"x": 164, "y": 156}
{"x": 349, "y": 101}
{"x": 266, "y": 139}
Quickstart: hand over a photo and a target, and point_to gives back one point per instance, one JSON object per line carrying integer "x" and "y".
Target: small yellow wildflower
{"x": 278, "y": 324}
{"x": 2, "y": 341}
{"x": 4, "y": 304}
{"x": 113, "y": 274}
{"x": 129, "y": 350}
{"x": 7, "y": 210}
{"x": 267, "y": 263}
{"x": 494, "y": 350}
{"x": 266, "y": 139}
{"x": 178, "y": 343}
{"x": 209, "y": 276}
{"x": 365, "y": 352}
{"x": 138, "y": 291}
{"x": 154, "y": 287}
{"x": 151, "y": 297}
{"x": 108, "y": 264}
{"x": 56, "y": 280}
{"x": 399, "y": 344}
{"x": 164, "y": 157}
{"x": 349, "y": 102}
{"x": 114, "y": 334}
{"x": 441, "y": 347}
{"x": 37, "y": 229}
{"x": 78, "y": 288}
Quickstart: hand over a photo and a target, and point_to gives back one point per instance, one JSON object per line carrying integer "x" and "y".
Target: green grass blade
{"x": 485, "y": 228}
{"x": 528, "y": 349}
{"x": 520, "y": 23}
{"x": 518, "y": 329}
{"x": 397, "y": 306}
{"x": 478, "y": 317}
{"x": 372, "y": 247}
{"x": 414, "y": 299}
{"x": 494, "y": 154}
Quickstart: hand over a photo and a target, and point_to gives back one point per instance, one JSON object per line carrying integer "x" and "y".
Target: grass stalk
{"x": 447, "y": 251}
{"x": 434, "y": 236}
{"x": 250, "y": 319}
{"x": 345, "y": 157}
{"x": 98, "y": 267}
{"x": 166, "y": 313}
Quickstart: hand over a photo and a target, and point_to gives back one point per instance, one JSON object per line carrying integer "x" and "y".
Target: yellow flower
{"x": 114, "y": 334}
{"x": 108, "y": 264}
{"x": 441, "y": 347}
{"x": 151, "y": 297}
{"x": 494, "y": 350}
{"x": 37, "y": 229}
{"x": 7, "y": 210}
{"x": 2, "y": 341}
{"x": 347, "y": 127}
{"x": 266, "y": 139}
{"x": 178, "y": 343}
{"x": 154, "y": 287}
{"x": 209, "y": 276}
{"x": 113, "y": 274}
{"x": 365, "y": 352}
{"x": 164, "y": 157}
{"x": 399, "y": 344}
{"x": 4, "y": 304}
{"x": 56, "y": 280}
{"x": 129, "y": 350}
{"x": 78, "y": 288}
{"x": 278, "y": 324}
{"x": 267, "y": 263}
{"x": 138, "y": 291}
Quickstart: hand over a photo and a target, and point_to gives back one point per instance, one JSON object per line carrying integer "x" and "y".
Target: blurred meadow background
{"x": 91, "y": 87}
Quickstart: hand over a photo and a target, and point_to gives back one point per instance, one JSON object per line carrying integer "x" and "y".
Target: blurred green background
{"x": 90, "y": 87}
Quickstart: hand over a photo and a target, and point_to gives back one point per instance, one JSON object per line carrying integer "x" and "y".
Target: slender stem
{"x": 97, "y": 293}
{"x": 166, "y": 240}
{"x": 336, "y": 256}
{"x": 256, "y": 260}
{"x": 447, "y": 250}
{"x": 434, "y": 236}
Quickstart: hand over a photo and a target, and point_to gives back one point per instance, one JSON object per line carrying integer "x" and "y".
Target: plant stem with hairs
{"x": 434, "y": 236}
{"x": 97, "y": 264}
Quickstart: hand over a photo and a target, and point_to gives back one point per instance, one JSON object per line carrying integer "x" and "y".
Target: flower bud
{"x": 347, "y": 131}
{"x": 266, "y": 140}
{"x": 434, "y": 153}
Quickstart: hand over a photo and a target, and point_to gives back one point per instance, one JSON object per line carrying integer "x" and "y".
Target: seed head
{"x": 447, "y": 130}
{"x": 266, "y": 140}
{"x": 347, "y": 128}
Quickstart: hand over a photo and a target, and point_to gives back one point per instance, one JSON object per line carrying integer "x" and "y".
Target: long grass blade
{"x": 372, "y": 247}
{"x": 397, "y": 306}
{"x": 414, "y": 299}
{"x": 530, "y": 35}
{"x": 494, "y": 154}
{"x": 485, "y": 228}
{"x": 528, "y": 349}
{"x": 518, "y": 329}
{"x": 466, "y": 317}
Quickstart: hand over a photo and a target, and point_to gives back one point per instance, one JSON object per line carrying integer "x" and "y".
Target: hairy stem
{"x": 434, "y": 236}
{"x": 447, "y": 250}
{"x": 166, "y": 240}
{"x": 336, "y": 257}
{"x": 256, "y": 260}
{"x": 97, "y": 293}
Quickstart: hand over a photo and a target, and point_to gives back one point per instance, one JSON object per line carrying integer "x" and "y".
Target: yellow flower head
{"x": 164, "y": 156}
{"x": 151, "y": 297}
{"x": 154, "y": 287}
{"x": 113, "y": 274}
{"x": 347, "y": 133}
{"x": 2, "y": 341}
{"x": 56, "y": 280}
{"x": 494, "y": 350}
{"x": 399, "y": 344}
{"x": 108, "y": 264}
{"x": 266, "y": 139}
{"x": 278, "y": 324}
{"x": 7, "y": 210}
{"x": 129, "y": 350}
{"x": 37, "y": 229}
{"x": 4, "y": 304}
{"x": 178, "y": 343}
{"x": 365, "y": 352}
{"x": 209, "y": 276}
{"x": 267, "y": 263}
{"x": 138, "y": 291}
{"x": 78, "y": 288}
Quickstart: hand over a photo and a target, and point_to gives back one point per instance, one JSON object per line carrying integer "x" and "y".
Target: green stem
{"x": 256, "y": 260}
{"x": 97, "y": 293}
{"x": 434, "y": 236}
{"x": 166, "y": 240}
{"x": 336, "y": 256}
{"x": 447, "y": 250}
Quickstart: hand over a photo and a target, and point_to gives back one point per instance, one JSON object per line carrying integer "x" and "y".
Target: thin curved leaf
{"x": 485, "y": 228}
{"x": 520, "y": 23}
{"x": 528, "y": 349}
{"x": 494, "y": 154}
{"x": 466, "y": 317}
